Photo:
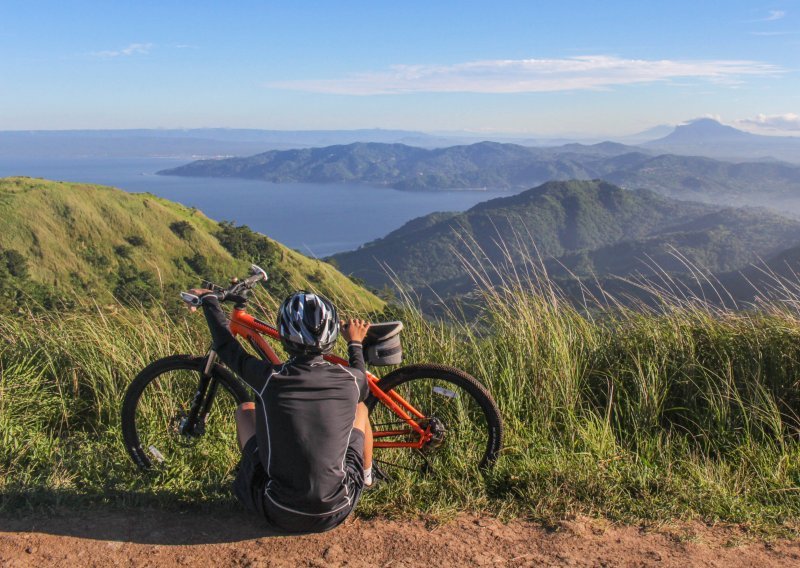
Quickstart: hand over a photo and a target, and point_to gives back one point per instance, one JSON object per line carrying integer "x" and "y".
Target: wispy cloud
{"x": 588, "y": 72}
{"x": 132, "y": 49}
{"x": 774, "y": 15}
{"x": 788, "y": 122}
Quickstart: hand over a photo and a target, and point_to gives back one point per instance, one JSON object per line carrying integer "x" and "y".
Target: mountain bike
{"x": 178, "y": 411}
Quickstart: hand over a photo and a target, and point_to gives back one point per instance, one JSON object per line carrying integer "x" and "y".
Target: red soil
{"x": 158, "y": 538}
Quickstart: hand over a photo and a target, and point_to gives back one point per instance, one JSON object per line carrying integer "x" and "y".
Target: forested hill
{"x": 509, "y": 166}
{"x": 578, "y": 228}
{"x": 481, "y": 165}
{"x": 697, "y": 178}
{"x": 486, "y": 164}
{"x": 68, "y": 239}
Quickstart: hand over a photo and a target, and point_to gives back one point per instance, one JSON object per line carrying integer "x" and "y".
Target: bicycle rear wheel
{"x": 155, "y": 415}
{"x": 460, "y": 413}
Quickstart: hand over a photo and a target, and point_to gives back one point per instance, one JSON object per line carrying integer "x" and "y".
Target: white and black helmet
{"x": 308, "y": 323}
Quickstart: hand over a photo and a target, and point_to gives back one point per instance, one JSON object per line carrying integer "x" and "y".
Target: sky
{"x": 536, "y": 67}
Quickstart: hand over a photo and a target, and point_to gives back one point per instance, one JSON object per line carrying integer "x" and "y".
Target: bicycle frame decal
{"x": 253, "y": 330}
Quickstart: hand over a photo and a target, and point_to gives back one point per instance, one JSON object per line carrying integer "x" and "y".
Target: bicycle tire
{"x": 492, "y": 436}
{"x": 190, "y": 364}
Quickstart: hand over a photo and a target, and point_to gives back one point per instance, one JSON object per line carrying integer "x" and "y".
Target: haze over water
{"x": 316, "y": 219}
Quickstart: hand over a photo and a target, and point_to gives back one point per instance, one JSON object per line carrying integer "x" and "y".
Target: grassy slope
{"x": 691, "y": 413}
{"x": 63, "y": 228}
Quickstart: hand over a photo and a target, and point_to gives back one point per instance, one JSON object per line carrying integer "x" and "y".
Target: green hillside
{"x": 578, "y": 228}
{"x": 70, "y": 239}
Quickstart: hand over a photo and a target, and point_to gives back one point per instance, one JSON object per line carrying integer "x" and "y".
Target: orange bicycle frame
{"x": 253, "y": 330}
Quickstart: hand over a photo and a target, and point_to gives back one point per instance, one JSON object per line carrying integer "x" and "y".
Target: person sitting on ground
{"x": 306, "y": 441}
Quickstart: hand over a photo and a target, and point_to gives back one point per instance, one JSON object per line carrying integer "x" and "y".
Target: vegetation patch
{"x": 135, "y": 240}
{"x": 688, "y": 412}
{"x": 183, "y": 229}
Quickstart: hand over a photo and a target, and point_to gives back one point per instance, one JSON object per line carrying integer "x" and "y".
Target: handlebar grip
{"x": 197, "y": 301}
{"x": 258, "y": 274}
{"x": 191, "y": 299}
{"x": 253, "y": 280}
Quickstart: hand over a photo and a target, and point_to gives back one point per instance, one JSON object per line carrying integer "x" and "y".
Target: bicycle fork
{"x": 195, "y": 421}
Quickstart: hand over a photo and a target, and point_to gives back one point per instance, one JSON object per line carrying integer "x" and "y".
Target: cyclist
{"x": 306, "y": 441}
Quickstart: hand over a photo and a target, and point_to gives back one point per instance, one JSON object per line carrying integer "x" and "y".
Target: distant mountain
{"x": 703, "y": 130}
{"x": 481, "y": 165}
{"x": 773, "y": 279}
{"x": 71, "y": 238}
{"x": 709, "y": 180}
{"x": 192, "y": 143}
{"x": 514, "y": 167}
{"x": 776, "y": 276}
{"x": 703, "y": 137}
{"x": 648, "y": 135}
{"x": 585, "y": 229}
{"x": 630, "y": 139}
{"x": 707, "y": 137}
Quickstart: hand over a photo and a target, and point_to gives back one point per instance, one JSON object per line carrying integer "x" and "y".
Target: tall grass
{"x": 687, "y": 411}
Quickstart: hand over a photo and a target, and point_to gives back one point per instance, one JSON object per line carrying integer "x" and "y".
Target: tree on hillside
{"x": 244, "y": 243}
{"x": 136, "y": 287}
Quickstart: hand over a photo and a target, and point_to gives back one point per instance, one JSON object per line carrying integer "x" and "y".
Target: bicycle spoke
{"x": 456, "y": 424}
{"x": 392, "y": 464}
{"x": 427, "y": 468}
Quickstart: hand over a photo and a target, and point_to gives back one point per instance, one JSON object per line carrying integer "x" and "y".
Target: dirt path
{"x": 156, "y": 538}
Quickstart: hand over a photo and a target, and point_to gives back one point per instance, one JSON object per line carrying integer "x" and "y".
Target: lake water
{"x": 317, "y": 219}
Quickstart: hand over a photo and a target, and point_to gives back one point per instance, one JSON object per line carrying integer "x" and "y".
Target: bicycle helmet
{"x": 307, "y": 323}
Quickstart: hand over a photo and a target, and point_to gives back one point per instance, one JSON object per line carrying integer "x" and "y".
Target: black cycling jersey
{"x": 305, "y": 410}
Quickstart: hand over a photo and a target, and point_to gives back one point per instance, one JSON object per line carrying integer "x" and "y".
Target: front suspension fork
{"x": 194, "y": 423}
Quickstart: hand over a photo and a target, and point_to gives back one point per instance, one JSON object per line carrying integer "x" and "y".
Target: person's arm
{"x": 252, "y": 370}
{"x": 354, "y": 332}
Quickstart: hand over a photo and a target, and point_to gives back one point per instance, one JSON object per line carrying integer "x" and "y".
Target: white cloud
{"x": 589, "y": 72}
{"x": 774, "y": 15}
{"x": 788, "y": 122}
{"x": 132, "y": 49}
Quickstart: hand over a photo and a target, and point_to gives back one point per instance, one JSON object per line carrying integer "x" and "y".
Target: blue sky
{"x": 535, "y": 67}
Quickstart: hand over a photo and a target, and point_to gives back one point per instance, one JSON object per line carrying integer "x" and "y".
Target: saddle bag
{"x": 382, "y": 345}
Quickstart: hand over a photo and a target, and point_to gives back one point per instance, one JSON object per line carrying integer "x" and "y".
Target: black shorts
{"x": 251, "y": 481}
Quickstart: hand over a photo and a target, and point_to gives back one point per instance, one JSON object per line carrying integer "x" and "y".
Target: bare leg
{"x": 362, "y": 423}
{"x": 245, "y": 422}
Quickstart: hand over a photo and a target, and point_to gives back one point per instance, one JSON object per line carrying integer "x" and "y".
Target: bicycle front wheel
{"x": 464, "y": 423}
{"x": 156, "y": 425}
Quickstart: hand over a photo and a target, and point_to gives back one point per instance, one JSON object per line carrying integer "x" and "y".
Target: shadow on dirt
{"x": 130, "y": 517}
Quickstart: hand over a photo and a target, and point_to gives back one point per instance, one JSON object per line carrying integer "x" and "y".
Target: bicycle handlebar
{"x": 237, "y": 292}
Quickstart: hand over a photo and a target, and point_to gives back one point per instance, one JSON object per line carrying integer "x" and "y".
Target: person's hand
{"x": 354, "y": 330}
{"x": 199, "y": 292}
